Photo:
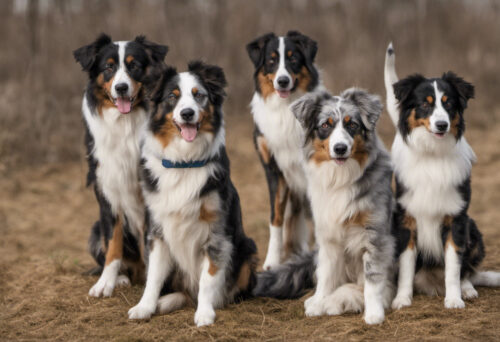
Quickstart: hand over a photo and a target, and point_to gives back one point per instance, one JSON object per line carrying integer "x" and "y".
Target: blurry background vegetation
{"x": 41, "y": 86}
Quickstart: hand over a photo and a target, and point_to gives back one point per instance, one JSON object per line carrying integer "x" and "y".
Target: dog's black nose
{"x": 283, "y": 81}
{"x": 187, "y": 114}
{"x": 121, "y": 88}
{"x": 340, "y": 149}
{"x": 442, "y": 126}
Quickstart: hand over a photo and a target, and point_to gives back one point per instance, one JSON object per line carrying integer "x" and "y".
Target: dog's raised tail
{"x": 289, "y": 280}
{"x": 390, "y": 77}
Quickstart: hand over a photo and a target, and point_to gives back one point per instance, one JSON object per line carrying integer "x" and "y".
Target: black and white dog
{"x": 437, "y": 242}
{"x": 284, "y": 70}
{"x": 196, "y": 244}
{"x": 114, "y": 111}
{"x": 349, "y": 173}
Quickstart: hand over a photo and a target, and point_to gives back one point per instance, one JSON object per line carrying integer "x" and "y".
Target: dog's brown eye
{"x": 325, "y": 125}
{"x": 110, "y": 66}
{"x": 353, "y": 125}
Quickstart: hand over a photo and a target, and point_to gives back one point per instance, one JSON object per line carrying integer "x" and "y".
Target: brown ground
{"x": 45, "y": 217}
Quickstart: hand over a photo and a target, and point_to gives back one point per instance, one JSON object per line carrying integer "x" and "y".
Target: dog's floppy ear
{"x": 213, "y": 79}
{"x": 154, "y": 90}
{"x": 464, "y": 89}
{"x": 155, "y": 51}
{"x": 369, "y": 104}
{"x": 86, "y": 55}
{"x": 307, "y": 46}
{"x": 306, "y": 108}
{"x": 256, "y": 47}
{"x": 404, "y": 87}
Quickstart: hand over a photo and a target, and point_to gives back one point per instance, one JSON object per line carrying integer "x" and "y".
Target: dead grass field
{"x": 45, "y": 217}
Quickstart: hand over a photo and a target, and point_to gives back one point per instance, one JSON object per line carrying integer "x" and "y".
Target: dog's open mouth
{"x": 124, "y": 104}
{"x": 283, "y": 93}
{"x": 188, "y": 131}
{"x": 439, "y": 135}
{"x": 340, "y": 161}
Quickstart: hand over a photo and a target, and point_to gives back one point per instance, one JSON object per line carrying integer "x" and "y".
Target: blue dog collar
{"x": 183, "y": 165}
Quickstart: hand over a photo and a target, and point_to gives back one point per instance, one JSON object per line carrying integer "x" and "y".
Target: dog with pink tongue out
{"x": 197, "y": 249}
{"x": 114, "y": 111}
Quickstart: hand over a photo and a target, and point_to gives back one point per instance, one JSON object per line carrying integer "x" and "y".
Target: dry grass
{"x": 45, "y": 217}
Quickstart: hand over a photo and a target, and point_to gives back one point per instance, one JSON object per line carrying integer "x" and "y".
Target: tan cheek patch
{"x": 454, "y": 125}
{"x": 320, "y": 153}
{"x": 266, "y": 84}
{"x": 103, "y": 93}
{"x": 168, "y": 130}
{"x": 414, "y": 123}
{"x": 359, "y": 151}
{"x": 206, "y": 118}
{"x": 303, "y": 79}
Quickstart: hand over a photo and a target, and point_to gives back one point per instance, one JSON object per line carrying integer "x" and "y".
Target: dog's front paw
{"x": 469, "y": 293}
{"x": 122, "y": 280}
{"x": 140, "y": 311}
{"x": 204, "y": 316}
{"x": 400, "y": 302}
{"x": 104, "y": 287}
{"x": 314, "y": 307}
{"x": 454, "y": 303}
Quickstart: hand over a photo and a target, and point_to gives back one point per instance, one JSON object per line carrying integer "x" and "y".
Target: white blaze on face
{"x": 339, "y": 136}
{"x": 282, "y": 72}
{"x": 439, "y": 113}
{"x": 122, "y": 101}
{"x": 187, "y": 82}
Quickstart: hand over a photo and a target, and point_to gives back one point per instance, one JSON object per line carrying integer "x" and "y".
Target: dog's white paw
{"x": 140, "y": 311}
{"x": 314, "y": 307}
{"x": 453, "y": 303}
{"x": 122, "y": 280}
{"x": 469, "y": 293}
{"x": 400, "y": 302}
{"x": 272, "y": 261}
{"x": 374, "y": 317}
{"x": 204, "y": 316}
{"x": 104, "y": 287}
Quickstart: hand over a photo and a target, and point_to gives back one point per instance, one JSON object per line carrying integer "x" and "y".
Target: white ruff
{"x": 116, "y": 149}
{"x": 284, "y": 136}
{"x": 431, "y": 169}
{"x": 176, "y": 205}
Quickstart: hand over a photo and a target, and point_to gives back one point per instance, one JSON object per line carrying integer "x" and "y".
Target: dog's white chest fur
{"x": 116, "y": 148}
{"x": 176, "y": 208}
{"x": 432, "y": 183}
{"x": 284, "y": 136}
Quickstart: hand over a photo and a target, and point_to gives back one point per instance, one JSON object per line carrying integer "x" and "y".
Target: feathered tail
{"x": 289, "y": 280}
{"x": 390, "y": 77}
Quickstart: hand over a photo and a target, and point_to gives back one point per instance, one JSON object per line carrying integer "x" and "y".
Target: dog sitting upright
{"x": 284, "y": 71}
{"x": 349, "y": 173}
{"x": 196, "y": 244}
{"x": 114, "y": 111}
{"x": 432, "y": 159}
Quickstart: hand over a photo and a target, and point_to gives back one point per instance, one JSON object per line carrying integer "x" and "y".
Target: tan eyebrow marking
{"x": 330, "y": 121}
{"x": 129, "y": 58}
{"x": 444, "y": 98}
{"x": 430, "y": 99}
{"x": 274, "y": 55}
{"x": 289, "y": 53}
{"x": 110, "y": 61}
{"x": 194, "y": 91}
{"x": 347, "y": 119}
{"x": 176, "y": 92}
